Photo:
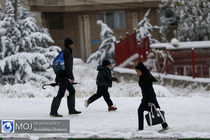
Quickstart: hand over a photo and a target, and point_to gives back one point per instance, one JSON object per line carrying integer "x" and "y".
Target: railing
{"x": 128, "y": 47}
{"x": 190, "y": 58}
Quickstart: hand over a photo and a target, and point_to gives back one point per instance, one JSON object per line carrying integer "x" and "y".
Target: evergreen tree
{"x": 22, "y": 13}
{"x": 106, "y": 49}
{"x": 192, "y": 17}
{"x": 0, "y": 12}
{"x": 22, "y": 58}
{"x": 32, "y": 34}
{"x": 144, "y": 31}
{"x": 145, "y": 28}
{"x": 10, "y": 34}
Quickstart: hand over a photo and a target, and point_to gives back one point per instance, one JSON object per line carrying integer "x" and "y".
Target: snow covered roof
{"x": 182, "y": 45}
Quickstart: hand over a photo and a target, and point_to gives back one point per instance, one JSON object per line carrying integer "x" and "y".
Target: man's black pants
{"x": 101, "y": 91}
{"x": 64, "y": 84}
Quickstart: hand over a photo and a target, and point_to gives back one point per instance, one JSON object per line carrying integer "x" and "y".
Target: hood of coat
{"x": 146, "y": 75}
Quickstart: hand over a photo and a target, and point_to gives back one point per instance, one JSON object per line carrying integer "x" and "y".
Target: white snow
{"x": 187, "y": 117}
{"x": 187, "y": 113}
{"x": 124, "y": 70}
{"x": 167, "y": 76}
{"x": 21, "y": 58}
{"x": 191, "y": 19}
{"x": 182, "y": 45}
{"x": 130, "y": 60}
{"x": 175, "y": 42}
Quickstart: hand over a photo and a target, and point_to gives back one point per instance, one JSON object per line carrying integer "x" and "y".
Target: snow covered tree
{"x": 33, "y": 35}
{"x": 22, "y": 13}
{"x": 0, "y": 12}
{"x": 22, "y": 56}
{"x": 106, "y": 49}
{"x": 10, "y": 34}
{"x": 144, "y": 31}
{"x": 145, "y": 28}
{"x": 192, "y": 18}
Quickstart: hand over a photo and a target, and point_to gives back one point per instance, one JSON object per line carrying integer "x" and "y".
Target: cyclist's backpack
{"x": 58, "y": 63}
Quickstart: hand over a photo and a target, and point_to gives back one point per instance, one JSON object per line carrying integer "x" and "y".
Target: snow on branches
{"x": 189, "y": 19}
{"x": 24, "y": 51}
{"x": 106, "y": 49}
{"x": 145, "y": 28}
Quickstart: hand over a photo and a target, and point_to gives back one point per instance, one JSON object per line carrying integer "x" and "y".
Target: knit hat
{"x": 105, "y": 62}
{"x": 68, "y": 42}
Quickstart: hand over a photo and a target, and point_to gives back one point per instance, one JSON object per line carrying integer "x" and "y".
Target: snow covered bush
{"x": 24, "y": 51}
{"x": 191, "y": 19}
{"x": 106, "y": 49}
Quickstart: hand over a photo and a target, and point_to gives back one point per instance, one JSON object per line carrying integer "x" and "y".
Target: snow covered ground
{"x": 186, "y": 116}
{"x": 187, "y": 112}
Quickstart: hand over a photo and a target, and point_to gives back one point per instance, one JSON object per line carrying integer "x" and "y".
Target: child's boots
{"x": 112, "y": 108}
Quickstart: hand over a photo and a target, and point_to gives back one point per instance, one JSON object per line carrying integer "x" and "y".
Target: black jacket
{"x": 104, "y": 77}
{"x": 148, "y": 94}
{"x": 68, "y": 60}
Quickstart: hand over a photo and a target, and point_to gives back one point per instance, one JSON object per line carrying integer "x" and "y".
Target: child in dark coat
{"x": 103, "y": 82}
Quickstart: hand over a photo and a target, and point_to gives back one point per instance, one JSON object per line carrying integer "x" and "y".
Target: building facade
{"x": 78, "y": 19}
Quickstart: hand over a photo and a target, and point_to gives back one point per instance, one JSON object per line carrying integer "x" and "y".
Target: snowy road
{"x": 187, "y": 117}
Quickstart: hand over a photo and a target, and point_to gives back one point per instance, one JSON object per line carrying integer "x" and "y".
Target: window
{"x": 183, "y": 70}
{"x": 55, "y": 21}
{"x": 187, "y": 70}
{"x": 114, "y": 19}
{"x": 179, "y": 70}
{"x": 169, "y": 14}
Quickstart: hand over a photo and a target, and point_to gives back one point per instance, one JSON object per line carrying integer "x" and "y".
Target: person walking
{"x": 149, "y": 97}
{"x": 65, "y": 80}
{"x": 103, "y": 82}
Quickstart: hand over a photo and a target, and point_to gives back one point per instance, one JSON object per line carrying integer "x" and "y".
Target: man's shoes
{"x": 56, "y": 115}
{"x": 112, "y": 108}
{"x": 75, "y": 112}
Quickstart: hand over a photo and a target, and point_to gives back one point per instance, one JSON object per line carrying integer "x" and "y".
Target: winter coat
{"x": 68, "y": 60}
{"x": 104, "y": 77}
{"x": 148, "y": 94}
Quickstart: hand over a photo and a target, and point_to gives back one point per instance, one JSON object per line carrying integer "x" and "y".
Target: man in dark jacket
{"x": 65, "y": 80}
{"x": 103, "y": 81}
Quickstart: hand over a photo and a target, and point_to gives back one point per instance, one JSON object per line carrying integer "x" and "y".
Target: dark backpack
{"x": 58, "y": 63}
